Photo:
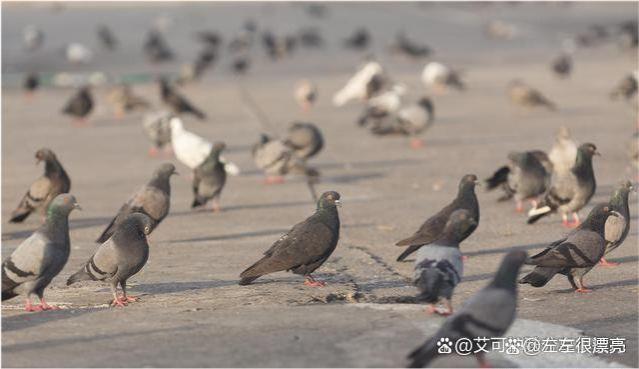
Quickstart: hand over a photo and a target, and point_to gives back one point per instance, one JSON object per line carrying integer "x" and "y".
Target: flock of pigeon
{"x": 561, "y": 181}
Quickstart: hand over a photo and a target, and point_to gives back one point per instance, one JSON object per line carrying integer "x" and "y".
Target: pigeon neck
{"x": 619, "y": 202}
{"x": 506, "y": 277}
{"x": 52, "y": 167}
{"x": 161, "y": 182}
{"x": 127, "y": 234}
{"x": 57, "y": 225}
{"x": 466, "y": 192}
{"x": 583, "y": 166}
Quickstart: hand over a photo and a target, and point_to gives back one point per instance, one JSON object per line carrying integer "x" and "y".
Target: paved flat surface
{"x": 193, "y": 313}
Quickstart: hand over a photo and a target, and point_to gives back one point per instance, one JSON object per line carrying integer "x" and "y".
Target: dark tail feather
{"x": 535, "y": 218}
{"x": 108, "y": 232}
{"x": 21, "y": 216}
{"x": 80, "y": 275}
{"x": 197, "y": 201}
{"x": 8, "y": 287}
{"x": 498, "y": 178}
{"x": 248, "y": 280}
{"x": 429, "y": 284}
{"x": 411, "y": 249}
{"x": 198, "y": 114}
{"x": 539, "y": 276}
{"x": 423, "y": 355}
{"x": 254, "y": 271}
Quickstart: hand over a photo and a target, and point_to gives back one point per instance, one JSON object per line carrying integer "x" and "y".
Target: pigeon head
{"x": 165, "y": 170}
{"x": 44, "y": 154}
{"x": 329, "y": 199}
{"x": 588, "y": 150}
{"x": 468, "y": 182}
{"x": 62, "y": 205}
{"x": 506, "y": 276}
{"x": 140, "y": 224}
{"x": 619, "y": 198}
{"x": 264, "y": 138}
{"x": 596, "y": 220}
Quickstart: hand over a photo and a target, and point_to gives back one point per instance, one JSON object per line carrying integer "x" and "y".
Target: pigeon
{"x": 619, "y": 203}
{"x": 564, "y": 152}
{"x": 386, "y": 102}
{"x": 627, "y": 87}
{"x": 124, "y": 100}
{"x": 570, "y": 192}
{"x": 156, "y": 48}
{"x": 177, "y": 102}
{"x": 276, "y": 159}
{"x": 77, "y": 53}
{"x": 409, "y": 120}
{"x": 31, "y": 84}
{"x": 360, "y": 39}
{"x": 628, "y": 34}
{"x": 409, "y": 47}
{"x": 305, "y": 94}
{"x": 305, "y": 139}
{"x": 562, "y": 66}
{"x": 80, "y": 105}
{"x": 240, "y": 65}
{"x": 367, "y": 82}
{"x": 153, "y": 199}
{"x": 204, "y": 61}
{"x": 305, "y": 247}
{"x": 310, "y": 37}
{"x": 157, "y": 127}
{"x": 209, "y": 179}
{"x": 106, "y": 37}
{"x": 39, "y": 258}
{"x": 526, "y": 96}
{"x": 487, "y": 314}
{"x": 33, "y": 37}
{"x": 210, "y": 39}
{"x": 526, "y": 176}
{"x": 432, "y": 228}
{"x": 191, "y": 149}
{"x": 579, "y": 251}
{"x": 439, "y": 267}
{"x": 43, "y": 190}
{"x": 120, "y": 257}
{"x": 441, "y": 77}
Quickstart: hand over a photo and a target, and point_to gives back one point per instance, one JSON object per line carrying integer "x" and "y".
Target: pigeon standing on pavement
{"x": 570, "y": 192}
{"x": 157, "y": 126}
{"x": 366, "y": 83}
{"x": 209, "y": 179}
{"x": 432, "y": 228}
{"x": 627, "y": 87}
{"x": 33, "y": 37}
{"x": 579, "y": 251}
{"x": 360, "y": 39}
{"x": 441, "y": 77}
{"x": 305, "y": 247}
{"x": 409, "y": 120}
{"x": 619, "y": 203}
{"x": 124, "y": 100}
{"x": 177, "y": 102}
{"x": 525, "y": 177}
{"x": 153, "y": 199}
{"x": 31, "y": 83}
{"x": 44, "y": 189}
{"x": 276, "y": 159}
{"x": 526, "y": 96}
{"x": 305, "y": 94}
{"x": 39, "y": 258}
{"x": 120, "y": 257}
{"x": 80, "y": 105}
{"x": 562, "y": 66}
{"x": 156, "y": 48}
{"x": 106, "y": 37}
{"x": 305, "y": 139}
{"x": 410, "y": 48}
{"x": 488, "y": 314}
{"x": 439, "y": 267}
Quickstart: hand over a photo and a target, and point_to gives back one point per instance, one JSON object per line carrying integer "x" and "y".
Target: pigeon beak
{"x": 77, "y": 206}
{"x": 338, "y": 203}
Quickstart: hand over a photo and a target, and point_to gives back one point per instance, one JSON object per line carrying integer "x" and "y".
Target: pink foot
{"x": 32, "y": 308}
{"x": 314, "y": 283}
{"x": 605, "y": 263}
{"x": 583, "y": 290}
{"x": 118, "y": 302}
{"x": 153, "y": 152}
{"x": 416, "y": 143}
{"x": 274, "y": 180}
{"x": 130, "y": 299}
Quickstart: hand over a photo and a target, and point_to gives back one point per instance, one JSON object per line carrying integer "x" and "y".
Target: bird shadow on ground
{"x": 173, "y": 287}
{"x": 29, "y": 320}
{"x": 85, "y": 339}
{"x": 622, "y": 283}
{"x": 370, "y": 164}
{"x": 603, "y": 322}
{"x": 373, "y": 285}
{"x": 506, "y": 249}
{"x": 352, "y": 178}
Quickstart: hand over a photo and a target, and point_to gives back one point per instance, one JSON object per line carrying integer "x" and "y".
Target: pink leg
{"x": 417, "y": 143}
{"x": 605, "y": 263}
{"x": 269, "y": 180}
{"x": 312, "y": 282}
{"x": 582, "y": 287}
{"x": 29, "y": 307}
{"x": 519, "y": 207}
{"x": 216, "y": 206}
{"x": 153, "y": 152}
{"x": 118, "y": 302}
{"x": 431, "y": 309}
{"x": 45, "y": 306}
{"x": 464, "y": 257}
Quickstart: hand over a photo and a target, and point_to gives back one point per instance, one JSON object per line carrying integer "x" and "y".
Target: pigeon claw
{"x": 32, "y": 308}
{"x": 130, "y": 298}
{"x": 417, "y": 143}
{"x": 583, "y": 290}
{"x": 274, "y": 180}
{"x": 605, "y": 263}
{"x": 118, "y": 302}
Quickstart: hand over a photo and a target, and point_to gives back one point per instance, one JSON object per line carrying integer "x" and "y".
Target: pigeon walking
{"x": 31, "y": 84}
{"x": 80, "y": 105}
{"x": 441, "y": 77}
{"x": 562, "y": 66}
{"x": 177, "y": 102}
{"x": 439, "y": 267}
{"x": 569, "y": 193}
{"x": 305, "y": 139}
{"x": 579, "y": 251}
{"x": 209, "y": 179}
{"x": 627, "y": 87}
{"x": 44, "y": 189}
{"x": 153, "y": 199}
{"x": 305, "y": 247}
{"x": 39, "y": 258}
{"x": 432, "y": 229}
{"x": 409, "y": 120}
{"x": 120, "y": 257}
{"x": 526, "y": 176}
{"x": 487, "y": 314}
{"x": 276, "y": 160}
{"x": 157, "y": 126}
{"x": 526, "y": 96}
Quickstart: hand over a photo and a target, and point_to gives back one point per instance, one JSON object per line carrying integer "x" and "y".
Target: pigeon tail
{"x": 411, "y": 249}
{"x": 429, "y": 284}
{"x": 107, "y": 232}
{"x": 80, "y": 275}
{"x": 539, "y": 276}
{"x": 538, "y": 213}
{"x": 18, "y": 217}
{"x": 498, "y": 178}
{"x": 8, "y": 287}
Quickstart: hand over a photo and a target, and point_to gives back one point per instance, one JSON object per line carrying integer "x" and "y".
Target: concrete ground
{"x": 192, "y": 313}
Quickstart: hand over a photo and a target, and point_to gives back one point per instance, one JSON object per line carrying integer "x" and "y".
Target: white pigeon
{"x": 438, "y": 75}
{"x": 564, "y": 151}
{"x": 192, "y": 150}
{"x": 77, "y": 53}
{"x": 33, "y": 37}
{"x": 358, "y": 86}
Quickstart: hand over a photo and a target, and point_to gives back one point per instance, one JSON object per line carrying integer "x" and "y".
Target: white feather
{"x": 355, "y": 88}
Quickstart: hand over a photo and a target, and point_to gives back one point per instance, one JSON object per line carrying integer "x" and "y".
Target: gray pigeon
{"x": 570, "y": 192}
{"x": 615, "y": 232}
{"x": 157, "y": 126}
{"x": 120, "y": 257}
{"x": 525, "y": 177}
{"x": 526, "y": 96}
{"x": 410, "y": 120}
{"x": 562, "y": 65}
{"x": 305, "y": 247}
{"x": 489, "y": 313}
{"x": 277, "y": 159}
{"x": 627, "y": 87}
{"x": 153, "y": 199}
{"x": 579, "y": 251}
{"x": 44, "y": 189}
{"x": 432, "y": 229}
{"x": 39, "y": 258}
{"x": 209, "y": 179}
{"x": 305, "y": 139}
{"x": 439, "y": 267}
{"x": 80, "y": 105}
